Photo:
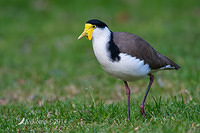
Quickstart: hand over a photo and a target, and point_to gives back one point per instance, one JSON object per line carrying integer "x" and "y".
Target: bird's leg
{"x": 149, "y": 86}
{"x": 128, "y": 98}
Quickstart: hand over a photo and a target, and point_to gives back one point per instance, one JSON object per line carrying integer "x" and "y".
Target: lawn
{"x": 52, "y": 82}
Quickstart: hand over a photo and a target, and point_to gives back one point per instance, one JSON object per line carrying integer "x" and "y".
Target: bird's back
{"x": 137, "y": 47}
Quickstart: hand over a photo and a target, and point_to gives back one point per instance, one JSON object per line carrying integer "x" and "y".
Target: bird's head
{"x": 90, "y": 26}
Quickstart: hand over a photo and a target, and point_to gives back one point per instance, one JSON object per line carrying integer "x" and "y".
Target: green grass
{"x": 54, "y": 82}
{"x": 166, "y": 116}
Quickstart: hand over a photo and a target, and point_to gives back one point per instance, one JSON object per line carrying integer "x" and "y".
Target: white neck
{"x": 100, "y": 40}
{"x": 101, "y": 33}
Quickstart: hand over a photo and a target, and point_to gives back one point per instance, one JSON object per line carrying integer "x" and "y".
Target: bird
{"x": 125, "y": 56}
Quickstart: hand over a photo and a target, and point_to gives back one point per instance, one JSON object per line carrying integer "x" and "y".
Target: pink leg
{"x": 149, "y": 86}
{"x": 128, "y": 98}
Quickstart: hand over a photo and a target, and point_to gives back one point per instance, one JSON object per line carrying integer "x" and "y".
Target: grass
{"x": 41, "y": 79}
{"x": 166, "y": 116}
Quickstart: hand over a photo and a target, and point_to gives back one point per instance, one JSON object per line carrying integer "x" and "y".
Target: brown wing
{"x": 139, "y": 48}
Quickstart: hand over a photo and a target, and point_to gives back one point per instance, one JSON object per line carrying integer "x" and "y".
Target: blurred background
{"x": 41, "y": 58}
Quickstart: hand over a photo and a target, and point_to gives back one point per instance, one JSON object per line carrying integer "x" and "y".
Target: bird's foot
{"x": 143, "y": 111}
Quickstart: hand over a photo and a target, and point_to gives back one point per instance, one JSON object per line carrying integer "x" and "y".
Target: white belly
{"x": 128, "y": 68}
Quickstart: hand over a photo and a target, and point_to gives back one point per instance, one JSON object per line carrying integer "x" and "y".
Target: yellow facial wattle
{"x": 87, "y": 31}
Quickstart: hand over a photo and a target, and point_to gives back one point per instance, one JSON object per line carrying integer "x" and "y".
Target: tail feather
{"x": 171, "y": 63}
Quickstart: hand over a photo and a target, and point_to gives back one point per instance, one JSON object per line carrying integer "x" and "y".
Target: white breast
{"x": 127, "y": 69}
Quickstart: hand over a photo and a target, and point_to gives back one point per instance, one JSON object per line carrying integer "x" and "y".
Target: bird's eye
{"x": 94, "y": 26}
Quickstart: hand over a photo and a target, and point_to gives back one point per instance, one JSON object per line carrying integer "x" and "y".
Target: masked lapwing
{"x": 125, "y": 56}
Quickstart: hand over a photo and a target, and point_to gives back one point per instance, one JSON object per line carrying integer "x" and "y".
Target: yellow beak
{"x": 87, "y": 31}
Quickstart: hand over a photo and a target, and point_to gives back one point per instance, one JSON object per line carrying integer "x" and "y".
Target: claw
{"x": 143, "y": 111}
